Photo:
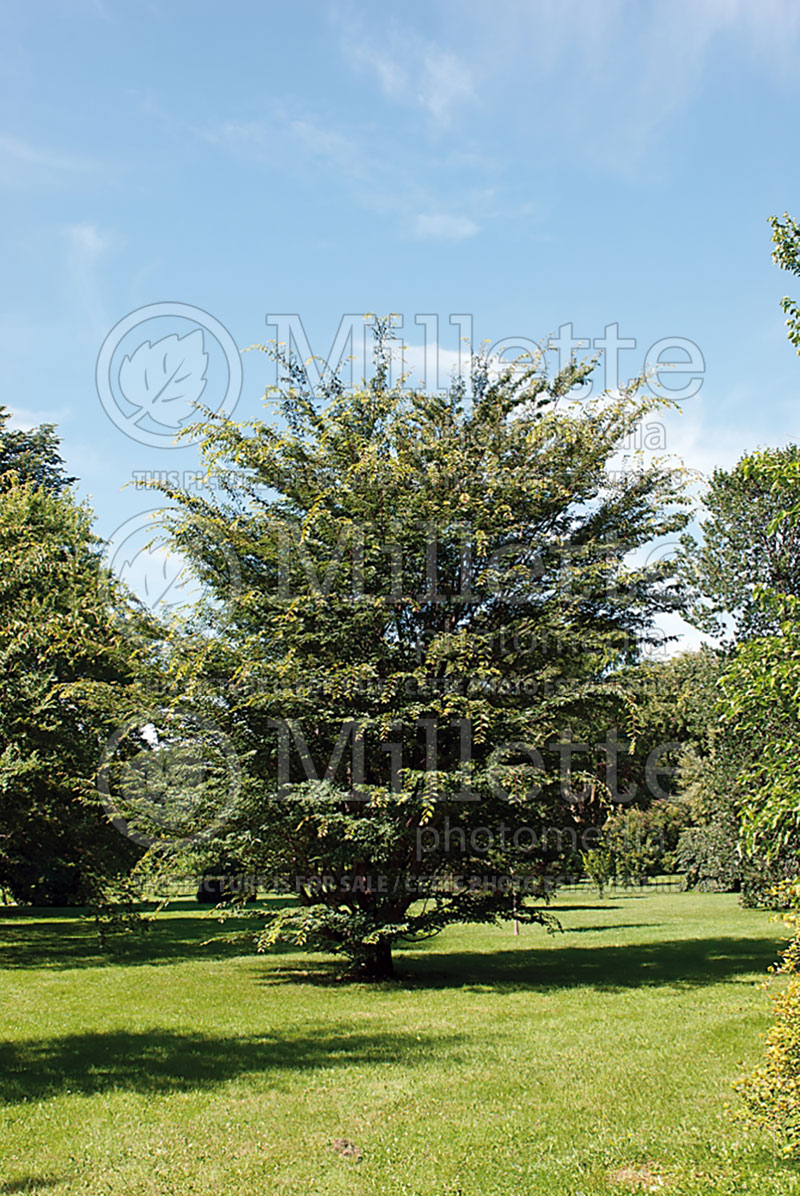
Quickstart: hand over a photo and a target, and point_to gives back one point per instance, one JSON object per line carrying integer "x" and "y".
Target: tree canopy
{"x": 432, "y": 592}
{"x": 31, "y": 455}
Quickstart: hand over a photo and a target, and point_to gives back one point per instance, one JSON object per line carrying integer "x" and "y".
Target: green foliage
{"x": 670, "y": 715}
{"x": 643, "y": 843}
{"x": 760, "y": 686}
{"x": 766, "y": 883}
{"x": 771, "y": 1093}
{"x": 712, "y": 854}
{"x": 786, "y": 254}
{"x": 31, "y": 455}
{"x": 708, "y": 856}
{"x": 761, "y": 712}
{"x": 413, "y": 568}
{"x": 748, "y": 542}
{"x": 598, "y": 863}
{"x": 61, "y": 639}
{"x": 675, "y": 737}
{"x": 761, "y": 709}
{"x": 743, "y": 787}
{"x": 709, "y": 852}
{"x": 723, "y": 780}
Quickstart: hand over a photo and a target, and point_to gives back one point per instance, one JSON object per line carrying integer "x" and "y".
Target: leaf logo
{"x": 165, "y": 372}
{"x": 149, "y": 388}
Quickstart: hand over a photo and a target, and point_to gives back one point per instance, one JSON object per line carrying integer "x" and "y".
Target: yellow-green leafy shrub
{"x": 772, "y": 1092}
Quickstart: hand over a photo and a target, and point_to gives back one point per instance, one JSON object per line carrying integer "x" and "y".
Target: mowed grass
{"x": 591, "y": 1062}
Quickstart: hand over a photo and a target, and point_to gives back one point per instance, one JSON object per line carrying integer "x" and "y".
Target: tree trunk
{"x": 378, "y": 964}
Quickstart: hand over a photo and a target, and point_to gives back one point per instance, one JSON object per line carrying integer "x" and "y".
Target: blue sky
{"x": 529, "y": 164}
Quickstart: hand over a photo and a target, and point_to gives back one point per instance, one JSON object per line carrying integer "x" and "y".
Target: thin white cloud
{"x": 442, "y": 226}
{"x": 429, "y": 367}
{"x": 278, "y": 140}
{"x": 689, "y": 639}
{"x": 88, "y": 240}
{"x": 409, "y": 68}
{"x": 24, "y": 418}
{"x": 249, "y": 137}
{"x": 444, "y": 85}
{"x": 86, "y": 246}
{"x": 341, "y": 151}
{"x": 23, "y": 151}
{"x": 23, "y": 163}
{"x": 608, "y": 78}
{"x": 356, "y": 162}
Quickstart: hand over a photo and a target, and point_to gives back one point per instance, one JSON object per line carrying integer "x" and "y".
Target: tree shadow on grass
{"x": 29, "y": 1183}
{"x": 681, "y": 963}
{"x": 557, "y": 908}
{"x": 45, "y": 941}
{"x": 161, "y": 1061}
{"x": 42, "y": 942}
{"x": 606, "y": 927}
{"x": 677, "y": 963}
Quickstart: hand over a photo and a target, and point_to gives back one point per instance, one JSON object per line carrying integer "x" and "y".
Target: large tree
{"x": 431, "y": 594}
{"x": 67, "y": 662}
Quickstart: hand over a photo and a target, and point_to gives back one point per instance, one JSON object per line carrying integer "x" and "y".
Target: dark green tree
{"x": 671, "y": 717}
{"x": 745, "y": 579}
{"x": 432, "y": 594}
{"x": 68, "y": 668}
{"x": 761, "y": 708}
{"x": 33, "y": 455}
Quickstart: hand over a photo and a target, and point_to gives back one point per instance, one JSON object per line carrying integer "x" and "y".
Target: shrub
{"x": 598, "y": 863}
{"x": 765, "y": 883}
{"x": 711, "y": 858}
{"x": 643, "y": 842}
{"x": 771, "y": 1093}
{"x": 708, "y": 857}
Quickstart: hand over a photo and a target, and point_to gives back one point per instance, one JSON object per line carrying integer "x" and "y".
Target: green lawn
{"x": 556, "y": 1065}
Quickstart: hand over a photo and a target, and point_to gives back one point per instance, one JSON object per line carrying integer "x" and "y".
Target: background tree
{"x": 671, "y": 717}
{"x": 62, "y": 639}
{"x": 432, "y": 593}
{"x": 32, "y": 454}
{"x": 744, "y": 576}
{"x": 671, "y": 735}
{"x": 761, "y": 707}
{"x": 747, "y": 542}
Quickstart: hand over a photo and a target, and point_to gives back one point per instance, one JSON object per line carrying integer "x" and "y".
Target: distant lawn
{"x": 592, "y": 1062}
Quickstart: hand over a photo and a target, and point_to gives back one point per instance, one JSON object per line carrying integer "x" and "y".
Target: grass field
{"x": 596, "y": 1061}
